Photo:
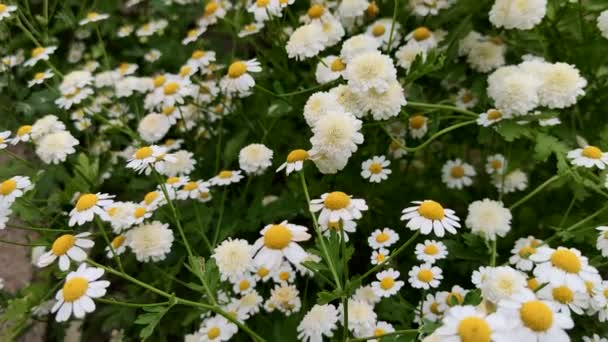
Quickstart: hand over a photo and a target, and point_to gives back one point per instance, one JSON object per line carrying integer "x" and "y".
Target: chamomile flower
{"x": 361, "y": 316}
{"x": 465, "y": 99}
{"x": 150, "y": 241}
{"x": 213, "y": 11}
{"x": 501, "y": 283}
{"x": 79, "y": 289}
{"x": 595, "y": 338}
{"x": 295, "y": 161}
{"x": 121, "y": 214}
{"x": 319, "y": 105}
{"x": 589, "y": 156}
{"x": 496, "y": 164}
{"x": 233, "y": 258}
{"x": 284, "y": 274}
{"x": 141, "y": 213}
{"x": 602, "y": 23}
{"x": 379, "y": 256}
{"x": 279, "y": 242}
{"x": 13, "y": 188}
{"x": 117, "y": 246}
{"x": 238, "y": 80}
{"x": 40, "y": 77}
{"x": 244, "y": 284}
{"x": 383, "y": 105}
{"x": 512, "y": 14}
{"x": 418, "y": 126}
{"x": 23, "y": 134}
{"x": 430, "y": 309}
{"x": 226, "y": 177}
{"x": 4, "y": 139}
{"x": 194, "y": 190}
{"x": 381, "y": 31}
{"x": 454, "y": 297}
{"x": 430, "y": 251}
{"x": 306, "y": 41}
{"x": 565, "y": 297}
{"x": 262, "y": 273}
{"x": 93, "y": 17}
{"x": 337, "y": 205}
{"x": 457, "y": 174}
{"x": 370, "y": 70}
{"x": 366, "y": 294}
{"x": 376, "y": 169}
{"x": 193, "y": 35}
{"x": 515, "y": 180}
{"x": 216, "y": 329}
{"x": 5, "y": 213}
{"x": 468, "y": 324}
{"x": 250, "y": 29}
{"x": 153, "y": 55}
{"x": 89, "y": 205}
{"x": 357, "y": 45}
{"x": 536, "y": 320}
{"x": 153, "y": 127}
{"x": 148, "y": 158}
{"x": 521, "y": 252}
{"x": 254, "y": 159}
{"x": 182, "y": 162}
{"x": 66, "y": 247}
{"x": 602, "y": 240}
{"x": 39, "y": 53}
{"x": 54, "y": 148}
{"x": 562, "y": 266}
{"x": 340, "y": 227}
{"x": 407, "y": 54}
{"x": 488, "y": 219}
{"x": 6, "y": 10}
{"x": 490, "y": 117}
{"x": 425, "y": 276}
{"x": 264, "y": 9}
{"x": 387, "y": 284}
{"x": 429, "y": 216}
{"x": 201, "y": 58}
{"x": 329, "y": 69}
{"x": 285, "y": 298}
{"x": 382, "y": 238}
{"x": 319, "y": 321}
{"x": 250, "y": 302}
{"x": 351, "y": 9}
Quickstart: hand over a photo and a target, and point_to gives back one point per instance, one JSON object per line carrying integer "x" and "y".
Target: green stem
{"x": 200, "y": 226}
{"x": 109, "y": 243}
{"x": 444, "y": 107}
{"x": 578, "y": 224}
{"x": 132, "y": 305}
{"x": 330, "y": 263}
{"x": 493, "y": 254}
{"x": 433, "y": 137}
{"x": 175, "y": 215}
{"x": 390, "y": 36}
{"x": 19, "y": 158}
{"x": 390, "y": 257}
{"x": 22, "y": 243}
{"x": 394, "y": 333}
{"x": 534, "y": 192}
{"x": 106, "y": 59}
{"x": 40, "y": 229}
{"x": 216, "y": 234}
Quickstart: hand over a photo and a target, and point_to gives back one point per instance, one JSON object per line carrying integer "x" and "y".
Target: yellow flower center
{"x": 3, "y": 8}
{"x": 211, "y": 7}
{"x": 192, "y": 33}
{"x": 421, "y": 33}
{"x": 262, "y": 3}
{"x": 316, "y": 11}
{"x": 563, "y": 294}
{"x": 185, "y": 71}
{"x": 372, "y": 9}
{"x": 123, "y": 68}
{"x": 431, "y": 250}
{"x": 62, "y": 244}
{"x": 86, "y": 201}
{"x": 284, "y": 276}
{"x": 150, "y": 197}
{"x": 606, "y": 235}
{"x": 250, "y": 27}
{"x": 172, "y": 180}
{"x": 75, "y": 288}
{"x": 297, "y": 155}
{"x": 494, "y": 114}
{"x": 526, "y": 251}
{"x": 589, "y": 286}
{"x": 454, "y": 296}
{"x": 474, "y": 329}
{"x": 237, "y": 69}
{"x": 387, "y": 283}
{"x": 204, "y": 195}
{"x": 425, "y": 275}
{"x": 379, "y": 332}
{"x": 375, "y": 168}
{"x": 337, "y": 65}
{"x": 143, "y": 152}
{"x": 171, "y": 88}
{"x": 566, "y": 260}
{"x": 434, "y": 307}
{"x": 168, "y": 110}
{"x": 159, "y": 80}
{"x": 39, "y": 76}
{"x": 467, "y": 97}
{"x": 92, "y": 15}
{"x": 336, "y": 200}
{"x": 37, "y": 51}
{"x": 533, "y": 284}
{"x": 112, "y": 211}
{"x": 457, "y": 172}
{"x": 606, "y": 293}
{"x": 244, "y": 285}
{"x": 198, "y": 54}
{"x": 334, "y": 225}
{"x": 140, "y": 212}
{"x": 190, "y": 186}
{"x": 23, "y": 130}
{"x": 277, "y": 237}
{"x": 417, "y": 121}
{"x": 378, "y": 30}
{"x": 8, "y": 186}
{"x": 118, "y": 241}
{"x": 225, "y": 174}
{"x": 380, "y": 257}
{"x": 382, "y": 237}
{"x": 536, "y": 315}
{"x": 213, "y": 333}
{"x": 592, "y": 152}
{"x": 496, "y": 164}
{"x": 262, "y": 272}
{"x": 431, "y": 210}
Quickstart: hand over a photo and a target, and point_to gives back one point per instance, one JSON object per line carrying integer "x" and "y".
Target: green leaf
{"x": 472, "y": 298}
{"x": 151, "y": 318}
{"x": 510, "y": 130}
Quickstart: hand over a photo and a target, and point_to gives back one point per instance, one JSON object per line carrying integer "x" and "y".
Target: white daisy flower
{"x": 201, "y": 58}
{"x": 306, "y": 41}
{"x": 265, "y": 9}
{"x": 387, "y": 284}
{"x": 93, "y": 17}
{"x": 351, "y": 9}
{"x": 425, "y": 276}
{"x": 279, "y": 242}
{"x": 336, "y": 206}
{"x": 467, "y": 323}
{"x": 515, "y": 180}
{"x": 382, "y": 238}
{"x": 238, "y": 80}
{"x": 284, "y": 298}
{"x": 418, "y": 126}
{"x": 452, "y": 298}
{"x": 6, "y": 10}
{"x": 357, "y": 45}
{"x": 602, "y": 23}
{"x": 153, "y": 127}
{"x": 233, "y": 258}
{"x": 370, "y": 70}
{"x": 194, "y": 190}
{"x": 250, "y": 29}
{"x": 254, "y": 159}
{"x": 595, "y": 338}
{"x": 193, "y": 35}
{"x": 40, "y": 54}
{"x": 602, "y": 240}
{"x": 13, "y": 188}
{"x": 40, "y": 77}
{"x": 213, "y": 11}
{"x": 226, "y": 177}
{"x": 150, "y": 241}
{"x": 501, "y": 283}
{"x": 329, "y": 69}
{"x": 182, "y": 163}
{"x": 54, "y": 148}
{"x": 4, "y": 139}
{"x": 430, "y": 251}
{"x": 383, "y": 105}
{"x": 536, "y": 320}
{"x": 76, "y": 96}
{"x": 589, "y": 156}
{"x": 379, "y": 256}
{"x": 479, "y": 276}
{"x": 250, "y": 303}
{"x": 66, "y": 247}
{"x": 523, "y": 249}
{"x": 149, "y": 158}
{"x": 216, "y": 329}
{"x": 5, "y": 213}
{"x": 116, "y": 247}
{"x": 488, "y": 219}
{"x": 381, "y": 31}
{"x": 496, "y": 164}
{"x": 89, "y": 205}
{"x": 565, "y": 298}
{"x": 490, "y": 117}
{"x": 121, "y": 214}
{"x": 319, "y": 105}
{"x": 244, "y": 284}
{"x": 79, "y": 289}
{"x": 562, "y": 266}
{"x": 376, "y": 169}
{"x": 284, "y": 274}
{"x": 319, "y": 321}
{"x": 141, "y": 213}
{"x": 407, "y": 54}
{"x": 152, "y": 56}
{"x": 430, "y": 309}
{"x": 465, "y": 99}
{"x": 23, "y": 134}
{"x": 339, "y": 226}
{"x": 262, "y": 273}
{"x": 366, "y": 294}
{"x": 295, "y": 161}
{"x": 457, "y": 174}
{"x": 428, "y": 216}
{"x": 512, "y": 14}
{"x": 361, "y": 316}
